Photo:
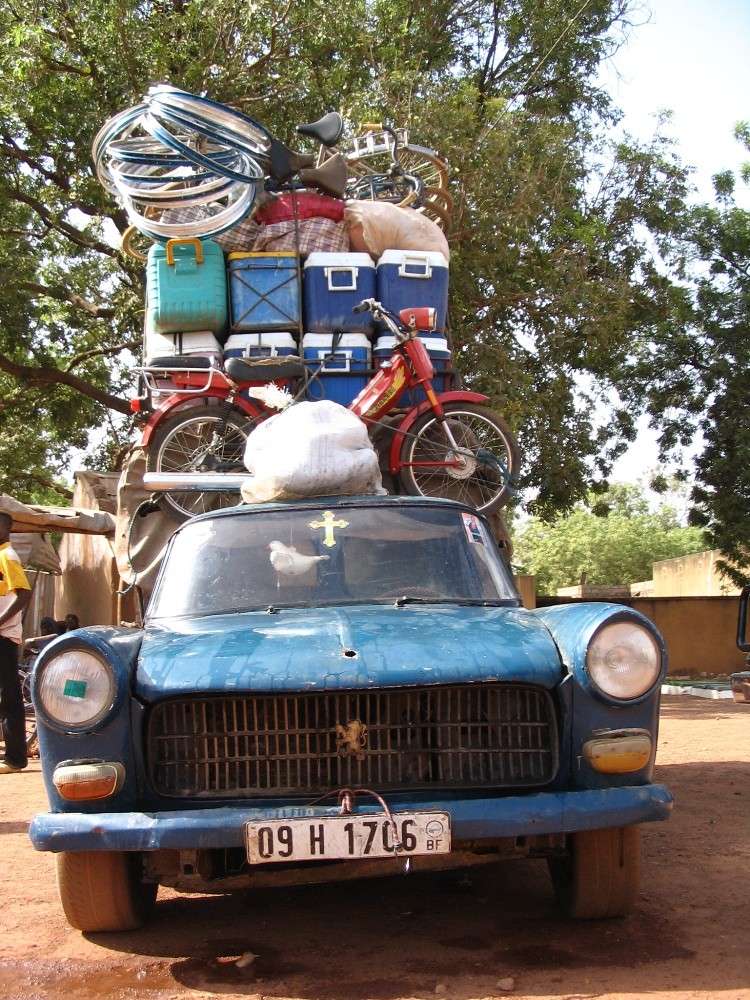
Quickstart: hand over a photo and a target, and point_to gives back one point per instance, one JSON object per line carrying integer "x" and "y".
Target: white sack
{"x": 310, "y": 450}
{"x": 377, "y": 226}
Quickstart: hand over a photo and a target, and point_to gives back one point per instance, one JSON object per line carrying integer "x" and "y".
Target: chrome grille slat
{"x": 481, "y": 735}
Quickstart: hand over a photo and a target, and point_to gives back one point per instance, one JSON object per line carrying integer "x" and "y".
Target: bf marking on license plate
{"x": 365, "y": 836}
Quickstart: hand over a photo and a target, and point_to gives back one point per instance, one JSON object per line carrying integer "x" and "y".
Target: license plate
{"x": 329, "y": 837}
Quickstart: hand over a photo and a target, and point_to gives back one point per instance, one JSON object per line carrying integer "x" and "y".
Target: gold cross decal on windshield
{"x": 329, "y": 522}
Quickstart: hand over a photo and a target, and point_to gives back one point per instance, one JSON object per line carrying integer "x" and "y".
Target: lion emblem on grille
{"x": 351, "y": 739}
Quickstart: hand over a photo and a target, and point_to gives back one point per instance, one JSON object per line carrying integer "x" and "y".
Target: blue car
{"x": 338, "y": 688}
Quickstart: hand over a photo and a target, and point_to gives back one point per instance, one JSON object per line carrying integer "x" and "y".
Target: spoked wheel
{"x": 200, "y": 439}
{"x": 481, "y": 470}
{"x": 32, "y": 740}
{"x": 398, "y": 189}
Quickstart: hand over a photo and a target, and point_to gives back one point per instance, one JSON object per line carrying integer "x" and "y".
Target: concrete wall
{"x": 699, "y": 632}
{"x": 696, "y": 575}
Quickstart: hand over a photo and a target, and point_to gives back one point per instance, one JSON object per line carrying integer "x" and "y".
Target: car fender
{"x": 458, "y": 396}
{"x": 179, "y": 401}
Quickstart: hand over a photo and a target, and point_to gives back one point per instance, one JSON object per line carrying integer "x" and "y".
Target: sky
{"x": 691, "y": 57}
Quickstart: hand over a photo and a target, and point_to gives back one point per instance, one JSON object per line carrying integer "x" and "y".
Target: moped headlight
{"x": 76, "y": 689}
{"x": 624, "y": 660}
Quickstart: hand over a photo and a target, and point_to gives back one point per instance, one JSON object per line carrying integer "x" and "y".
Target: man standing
{"x": 15, "y": 594}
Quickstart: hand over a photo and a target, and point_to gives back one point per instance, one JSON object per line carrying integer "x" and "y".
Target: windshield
{"x": 297, "y": 558}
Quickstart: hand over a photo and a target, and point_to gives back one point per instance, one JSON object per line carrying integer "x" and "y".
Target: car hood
{"x": 306, "y": 649}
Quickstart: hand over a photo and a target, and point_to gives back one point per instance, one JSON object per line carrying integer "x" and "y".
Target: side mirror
{"x": 742, "y": 642}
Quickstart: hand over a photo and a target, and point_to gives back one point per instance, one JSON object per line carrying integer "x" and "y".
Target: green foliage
{"x": 695, "y": 377}
{"x": 616, "y": 548}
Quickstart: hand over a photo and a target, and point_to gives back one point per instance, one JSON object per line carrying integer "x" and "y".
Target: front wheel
{"x": 479, "y": 468}
{"x": 600, "y": 877}
{"x": 104, "y": 890}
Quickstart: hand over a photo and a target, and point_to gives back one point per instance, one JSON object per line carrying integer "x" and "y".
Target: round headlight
{"x": 76, "y": 689}
{"x": 623, "y": 660}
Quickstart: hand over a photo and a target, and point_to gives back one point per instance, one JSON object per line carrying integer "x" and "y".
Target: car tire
{"x": 104, "y": 890}
{"x": 600, "y": 877}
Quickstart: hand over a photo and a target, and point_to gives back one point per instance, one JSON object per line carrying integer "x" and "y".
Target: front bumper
{"x": 472, "y": 819}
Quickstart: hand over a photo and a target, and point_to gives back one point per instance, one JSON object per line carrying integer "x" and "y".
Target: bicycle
{"x": 451, "y": 445}
{"x": 393, "y": 184}
{"x": 374, "y": 153}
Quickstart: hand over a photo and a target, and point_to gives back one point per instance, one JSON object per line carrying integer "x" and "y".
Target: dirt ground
{"x": 448, "y": 935}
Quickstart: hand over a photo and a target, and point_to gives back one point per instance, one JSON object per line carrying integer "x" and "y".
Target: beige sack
{"x": 376, "y": 226}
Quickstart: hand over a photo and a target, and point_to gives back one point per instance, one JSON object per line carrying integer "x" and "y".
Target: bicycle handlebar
{"x": 379, "y": 311}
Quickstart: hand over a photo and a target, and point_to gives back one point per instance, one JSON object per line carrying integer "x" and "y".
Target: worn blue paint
{"x": 512, "y": 816}
{"x": 302, "y": 649}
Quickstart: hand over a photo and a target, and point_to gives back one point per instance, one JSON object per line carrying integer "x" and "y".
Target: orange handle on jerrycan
{"x": 188, "y": 241}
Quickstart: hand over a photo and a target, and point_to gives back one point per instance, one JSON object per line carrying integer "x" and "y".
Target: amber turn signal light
{"x": 86, "y": 782}
{"x": 618, "y": 752}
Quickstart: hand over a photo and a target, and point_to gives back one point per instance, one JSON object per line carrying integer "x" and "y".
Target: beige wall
{"x": 699, "y": 632}
{"x": 89, "y": 578}
{"x": 695, "y": 575}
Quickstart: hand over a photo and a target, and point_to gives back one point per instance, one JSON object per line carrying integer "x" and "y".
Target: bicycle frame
{"x": 410, "y": 368}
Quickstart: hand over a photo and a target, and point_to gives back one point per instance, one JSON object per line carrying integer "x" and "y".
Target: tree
{"x": 696, "y": 377}
{"x": 618, "y": 547}
{"x": 553, "y": 281}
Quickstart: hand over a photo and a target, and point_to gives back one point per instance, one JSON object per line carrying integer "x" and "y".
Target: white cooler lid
{"x": 270, "y": 339}
{"x": 433, "y": 257}
{"x": 345, "y": 340}
{"x": 321, "y": 258}
{"x": 431, "y": 343}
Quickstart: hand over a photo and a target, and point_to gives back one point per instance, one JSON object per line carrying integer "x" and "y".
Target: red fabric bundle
{"x": 310, "y": 205}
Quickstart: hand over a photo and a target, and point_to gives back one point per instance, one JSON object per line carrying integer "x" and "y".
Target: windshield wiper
{"x": 400, "y": 602}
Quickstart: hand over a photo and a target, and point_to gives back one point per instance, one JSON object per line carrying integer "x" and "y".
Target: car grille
{"x": 499, "y": 735}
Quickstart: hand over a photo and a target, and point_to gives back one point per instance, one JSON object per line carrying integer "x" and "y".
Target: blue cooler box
{"x": 408, "y": 278}
{"x": 343, "y": 373}
{"x": 440, "y": 355}
{"x": 260, "y": 345}
{"x": 333, "y": 284}
{"x": 186, "y": 287}
{"x": 264, "y": 291}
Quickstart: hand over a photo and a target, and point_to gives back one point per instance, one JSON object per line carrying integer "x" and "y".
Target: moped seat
{"x": 264, "y": 369}
{"x": 327, "y": 130}
{"x": 331, "y": 177}
{"x": 180, "y": 361}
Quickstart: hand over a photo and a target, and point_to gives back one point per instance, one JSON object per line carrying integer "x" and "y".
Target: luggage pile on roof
{"x": 261, "y": 252}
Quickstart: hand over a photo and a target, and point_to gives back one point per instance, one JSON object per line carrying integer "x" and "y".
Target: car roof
{"x": 316, "y": 503}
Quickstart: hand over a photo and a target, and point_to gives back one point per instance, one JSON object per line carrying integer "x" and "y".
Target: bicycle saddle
{"x": 331, "y": 177}
{"x": 327, "y": 130}
{"x": 264, "y": 369}
{"x": 284, "y": 162}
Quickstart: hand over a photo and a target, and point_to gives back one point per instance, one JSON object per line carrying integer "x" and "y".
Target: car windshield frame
{"x": 500, "y": 572}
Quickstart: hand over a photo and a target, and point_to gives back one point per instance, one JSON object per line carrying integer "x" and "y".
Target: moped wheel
{"x": 485, "y": 462}
{"x": 199, "y": 439}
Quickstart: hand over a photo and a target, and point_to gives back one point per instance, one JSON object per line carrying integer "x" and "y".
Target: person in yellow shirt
{"x": 15, "y": 594}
